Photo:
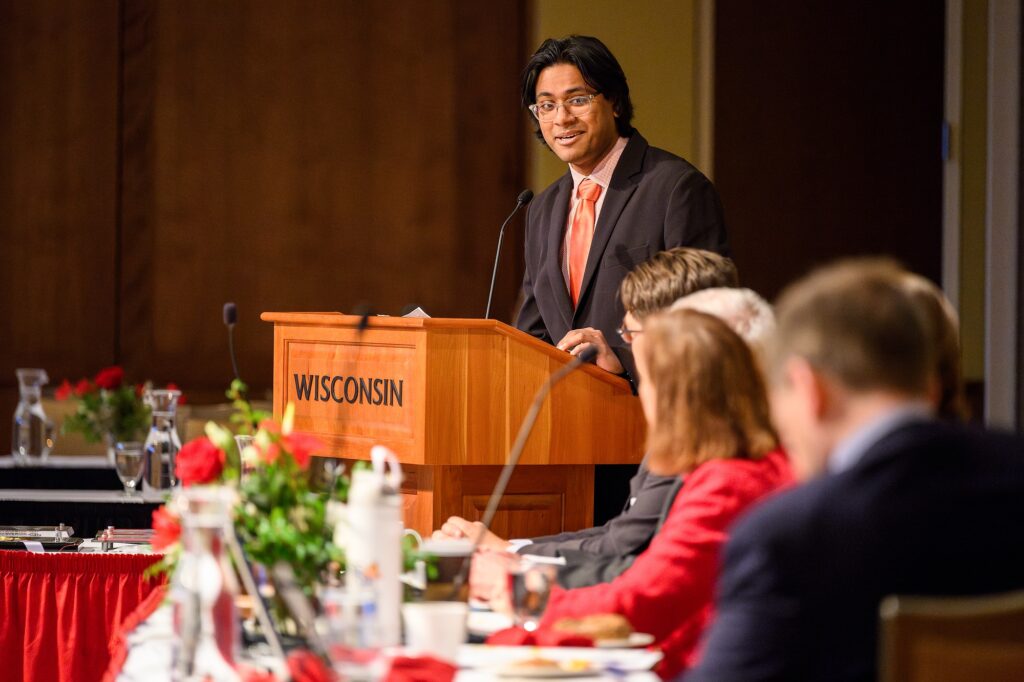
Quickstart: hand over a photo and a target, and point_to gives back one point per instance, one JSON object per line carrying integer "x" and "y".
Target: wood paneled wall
{"x": 161, "y": 158}
{"x": 828, "y": 132}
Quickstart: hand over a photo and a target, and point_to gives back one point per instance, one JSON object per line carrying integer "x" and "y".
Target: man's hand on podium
{"x": 457, "y": 527}
{"x": 578, "y": 340}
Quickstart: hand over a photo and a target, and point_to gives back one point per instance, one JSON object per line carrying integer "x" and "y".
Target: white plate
{"x": 555, "y": 671}
{"x": 481, "y": 657}
{"x": 635, "y": 640}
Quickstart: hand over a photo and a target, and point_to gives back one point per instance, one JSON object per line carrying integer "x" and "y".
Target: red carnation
{"x": 82, "y": 387}
{"x": 200, "y": 461}
{"x": 63, "y": 391}
{"x": 166, "y": 528}
{"x": 110, "y": 378}
{"x": 302, "y": 446}
{"x": 305, "y": 666}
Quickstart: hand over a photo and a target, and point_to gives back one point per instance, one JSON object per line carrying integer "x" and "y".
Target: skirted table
{"x": 58, "y": 611}
{"x": 87, "y": 511}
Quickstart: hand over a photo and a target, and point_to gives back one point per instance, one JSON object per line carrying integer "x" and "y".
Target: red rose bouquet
{"x": 108, "y": 407}
{"x": 281, "y": 514}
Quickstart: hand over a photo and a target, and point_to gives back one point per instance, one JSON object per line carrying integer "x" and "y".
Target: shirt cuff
{"x": 515, "y": 545}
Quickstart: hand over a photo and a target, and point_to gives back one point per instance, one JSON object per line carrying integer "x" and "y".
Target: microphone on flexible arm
{"x": 522, "y": 200}
{"x": 230, "y": 319}
{"x": 516, "y": 452}
{"x": 329, "y": 466}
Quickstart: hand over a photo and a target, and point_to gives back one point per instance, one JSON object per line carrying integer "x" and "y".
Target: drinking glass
{"x": 529, "y": 587}
{"x": 128, "y": 462}
{"x": 245, "y": 466}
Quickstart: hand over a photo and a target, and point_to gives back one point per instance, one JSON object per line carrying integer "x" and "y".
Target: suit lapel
{"x": 621, "y": 188}
{"x": 553, "y": 264}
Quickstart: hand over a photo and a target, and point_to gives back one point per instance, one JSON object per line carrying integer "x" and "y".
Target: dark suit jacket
{"x": 655, "y": 201}
{"x": 931, "y": 509}
{"x": 627, "y": 534}
{"x": 583, "y": 568}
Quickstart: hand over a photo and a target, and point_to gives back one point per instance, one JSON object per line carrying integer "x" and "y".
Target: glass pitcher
{"x": 162, "y": 443}
{"x": 203, "y": 589}
{"x": 32, "y": 432}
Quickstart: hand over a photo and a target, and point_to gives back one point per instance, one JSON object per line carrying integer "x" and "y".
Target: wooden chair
{"x": 952, "y": 639}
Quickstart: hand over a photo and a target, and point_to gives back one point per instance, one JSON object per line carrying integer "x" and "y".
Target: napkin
{"x": 420, "y": 669}
{"x": 542, "y": 637}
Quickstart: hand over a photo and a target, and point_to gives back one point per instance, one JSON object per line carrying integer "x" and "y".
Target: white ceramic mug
{"x": 437, "y": 628}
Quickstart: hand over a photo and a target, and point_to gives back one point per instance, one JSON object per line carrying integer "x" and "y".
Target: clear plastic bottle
{"x": 162, "y": 442}
{"x": 372, "y": 536}
{"x": 32, "y": 432}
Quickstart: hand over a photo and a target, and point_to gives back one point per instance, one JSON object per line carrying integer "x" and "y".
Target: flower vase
{"x": 111, "y": 444}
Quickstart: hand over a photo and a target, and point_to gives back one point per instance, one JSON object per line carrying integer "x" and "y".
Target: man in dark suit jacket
{"x": 896, "y": 503}
{"x": 649, "y": 200}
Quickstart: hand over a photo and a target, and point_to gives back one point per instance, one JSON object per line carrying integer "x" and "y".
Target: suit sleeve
{"x": 672, "y": 581}
{"x": 627, "y": 534}
{"x": 755, "y": 626}
{"x": 529, "y": 318}
{"x": 583, "y": 569}
{"x": 693, "y": 216}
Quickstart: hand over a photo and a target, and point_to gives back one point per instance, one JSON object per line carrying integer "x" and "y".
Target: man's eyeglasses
{"x": 628, "y": 334}
{"x": 574, "y": 106}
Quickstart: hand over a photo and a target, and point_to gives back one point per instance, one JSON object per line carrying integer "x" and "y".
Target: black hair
{"x": 598, "y": 66}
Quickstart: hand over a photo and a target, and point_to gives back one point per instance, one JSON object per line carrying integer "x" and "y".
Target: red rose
{"x": 270, "y": 455}
{"x": 63, "y": 391}
{"x": 166, "y": 528}
{"x": 302, "y": 446}
{"x": 200, "y": 461}
{"x": 82, "y": 387}
{"x": 174, "y": 387}
{"x": 110, "y": 378}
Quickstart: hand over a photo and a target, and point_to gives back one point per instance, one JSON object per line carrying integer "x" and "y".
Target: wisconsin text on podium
{"x": 356, "y": 390}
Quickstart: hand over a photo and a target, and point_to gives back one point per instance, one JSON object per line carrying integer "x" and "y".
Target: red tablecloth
{"x": 58, "y": 611}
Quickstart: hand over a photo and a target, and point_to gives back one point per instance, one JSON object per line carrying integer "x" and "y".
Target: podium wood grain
{"x": 448, "y": 396}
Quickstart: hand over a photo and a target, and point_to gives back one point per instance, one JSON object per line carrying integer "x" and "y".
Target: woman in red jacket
{"x": 707, "y": 413}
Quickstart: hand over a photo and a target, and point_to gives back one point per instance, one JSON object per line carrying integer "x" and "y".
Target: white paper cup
{"x": 437, "y": 628}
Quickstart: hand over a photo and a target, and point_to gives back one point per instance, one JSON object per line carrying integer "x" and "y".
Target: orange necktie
{"x": 582, "y": 235}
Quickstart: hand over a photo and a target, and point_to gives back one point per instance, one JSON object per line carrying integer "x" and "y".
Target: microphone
{"x": 515, "y": 453}
{"x": 230, "y": 319}
{"x": 364, "y": 311}
{"x": 522, "y": 200}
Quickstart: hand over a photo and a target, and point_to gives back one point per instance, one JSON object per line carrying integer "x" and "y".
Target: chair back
{"x": 952, "y": 638}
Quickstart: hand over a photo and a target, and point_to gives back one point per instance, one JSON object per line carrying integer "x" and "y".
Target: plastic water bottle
{"x": 372, "y": 536}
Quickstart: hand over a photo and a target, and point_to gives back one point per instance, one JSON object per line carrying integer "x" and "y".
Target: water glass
{"x": 529, "y": 587}
{"x": 128, "y": 462}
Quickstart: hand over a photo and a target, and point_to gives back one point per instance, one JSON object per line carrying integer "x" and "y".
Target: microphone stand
{"x": 522, "y": 200}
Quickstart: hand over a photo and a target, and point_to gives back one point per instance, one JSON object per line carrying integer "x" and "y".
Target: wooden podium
{"x": 448, "y": 396}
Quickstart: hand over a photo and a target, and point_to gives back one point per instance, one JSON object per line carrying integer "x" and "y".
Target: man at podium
{"x": 620, "y": 202}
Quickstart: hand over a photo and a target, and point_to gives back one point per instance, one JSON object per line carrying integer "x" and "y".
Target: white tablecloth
{"x": 149, "y": 657}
